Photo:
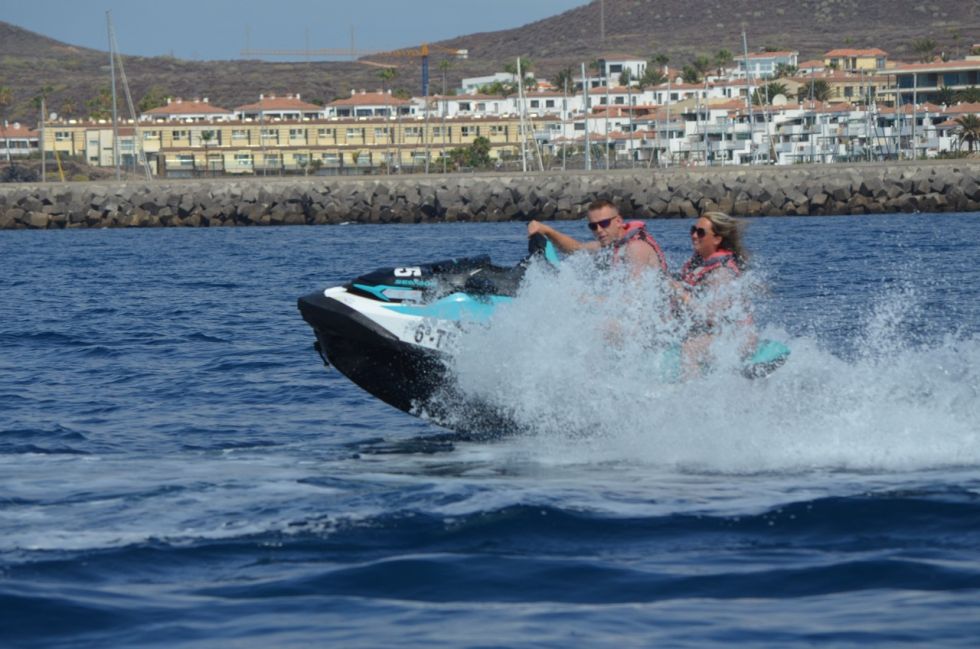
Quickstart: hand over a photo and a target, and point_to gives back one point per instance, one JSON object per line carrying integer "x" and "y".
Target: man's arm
{"x": 563, "y": 242}
{"x": 641, "y": 257}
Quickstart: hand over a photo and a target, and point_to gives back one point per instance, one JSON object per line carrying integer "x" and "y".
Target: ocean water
{"x": 178, "y": 469}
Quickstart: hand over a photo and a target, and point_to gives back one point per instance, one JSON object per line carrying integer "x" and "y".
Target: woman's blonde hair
{"x": 730, "y": 230}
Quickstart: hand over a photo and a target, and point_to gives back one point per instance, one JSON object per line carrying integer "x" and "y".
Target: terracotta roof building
{"x": 195, "y": 110}
{"x": 284, "y": 107}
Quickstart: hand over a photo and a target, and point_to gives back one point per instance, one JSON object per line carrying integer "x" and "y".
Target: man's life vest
{"x": 637, "y": 230}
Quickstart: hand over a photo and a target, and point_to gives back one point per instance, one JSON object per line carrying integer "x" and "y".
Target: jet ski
{"x": 393, "y": 331}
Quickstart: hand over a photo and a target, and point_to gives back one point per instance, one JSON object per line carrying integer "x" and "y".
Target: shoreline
{"x": 804, "y": 190}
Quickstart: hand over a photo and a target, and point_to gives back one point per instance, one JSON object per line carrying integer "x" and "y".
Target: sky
{"x": 220, "y": 29}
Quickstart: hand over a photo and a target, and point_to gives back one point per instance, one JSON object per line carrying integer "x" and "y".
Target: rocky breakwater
{"x": 644, "y": 193}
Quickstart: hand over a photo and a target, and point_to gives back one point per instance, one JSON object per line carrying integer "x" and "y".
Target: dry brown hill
{"x": 679, "y": 28}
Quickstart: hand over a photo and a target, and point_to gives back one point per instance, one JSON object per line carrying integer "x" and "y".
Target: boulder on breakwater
{"x": 938, "y": 186}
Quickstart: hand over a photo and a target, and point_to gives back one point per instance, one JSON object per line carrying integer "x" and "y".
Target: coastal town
{"x": 619, "y": 111}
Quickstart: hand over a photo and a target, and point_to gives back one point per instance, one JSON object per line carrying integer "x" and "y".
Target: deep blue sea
{"x": 178, "y": 469}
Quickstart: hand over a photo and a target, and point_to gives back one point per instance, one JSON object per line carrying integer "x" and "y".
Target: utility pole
{"x": 668, "y": 152}
{"x": 521, "y": 111}
{"x": 748, "y": 97}
{"x": 588, "y": 145}
{"x": 915, "y": 98}
{"x": 426, "y": 134}
{"x": 564, "y": 122}
{"x": 707, "y": 112}
{"x": 602, "y": 21}
{"x": 44, "y": 157}
{"x": 629, "y": 94}
{"x": 608, "y": 109}
{"x": 115, "y": 114}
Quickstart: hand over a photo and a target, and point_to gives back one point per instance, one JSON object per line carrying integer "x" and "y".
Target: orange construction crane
{"x": 423, "y": 52}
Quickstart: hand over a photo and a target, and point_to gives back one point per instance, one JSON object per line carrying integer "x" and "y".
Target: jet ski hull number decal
{"x": 408, "y": 271}
{"x": 439, "y": 338}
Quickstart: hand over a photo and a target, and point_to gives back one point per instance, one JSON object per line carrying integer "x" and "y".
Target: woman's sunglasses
{"x": 604, "y": 223}
{"x": 701, "y": 232}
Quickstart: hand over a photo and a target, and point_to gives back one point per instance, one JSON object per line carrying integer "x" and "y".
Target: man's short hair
{"x": 601, "y": 203}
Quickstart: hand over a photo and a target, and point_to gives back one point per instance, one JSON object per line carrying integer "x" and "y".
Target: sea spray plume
{"x": 573, "y": 349}
{"x": 548, "y": 360}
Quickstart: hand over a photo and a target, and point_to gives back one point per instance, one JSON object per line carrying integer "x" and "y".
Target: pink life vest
{"x": 637, "y": 229}
{"x": 695, "y": 269}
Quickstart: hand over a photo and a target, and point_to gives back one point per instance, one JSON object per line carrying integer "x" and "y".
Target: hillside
{"x": 679, "y": 28}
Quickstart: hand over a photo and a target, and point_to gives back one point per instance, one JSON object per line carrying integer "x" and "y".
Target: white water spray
{"x": 588, "y": 379}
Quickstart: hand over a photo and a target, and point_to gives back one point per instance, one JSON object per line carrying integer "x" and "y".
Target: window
{"x": 464, "y": 105}
{"x": 272, "y": 160}
{"x": 270, "y": 135}
{"x": 381, "y": 132}
{"x": 297, "y": 134}
{"x": 243, "y": 159}
{"x": 498, "y": 129}
{"x": 62, "y": 136}
{"x": 481, "y": 107}
{"x": 330, "y": 159}
{"x": 301, "y": 159}
{"x": 413, "y": 131}
{"x": 185, "y": 161}
{"x": 470, "y": 131}
{"x": 549, "y": 103}
{"x": 147, "y": 135}
{"x": 363, "y": 159}
{"x": 239, "y": 134}
{"x": 436, "y": 131}
{"x": 535, "y": 103}
{"x": 326, "y": 133}
{"x": 179, "y": 135}
{"x": 355, "y": 133}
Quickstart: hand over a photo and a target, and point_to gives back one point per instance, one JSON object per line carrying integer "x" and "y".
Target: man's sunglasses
{"x": 701, "y": 232}
{"x": 604, "y": 223}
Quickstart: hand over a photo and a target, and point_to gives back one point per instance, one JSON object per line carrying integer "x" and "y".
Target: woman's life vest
{"x": 638, "y": 230}
{"x": 696, "y": 269}
{"x": 694, "y": 274}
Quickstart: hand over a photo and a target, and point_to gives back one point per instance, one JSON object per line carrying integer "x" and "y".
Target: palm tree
{"x": 784, "y": 70}
{"x": 818, "y": 89}
{"x": 946, "y": 96}
{"x": 444, "y": 66}
{"x": 925, "y": 48}
{"x": 41, "y": 96}
{"x": 723, "y": 59}
{"x": 702, "y": 64}
{"x": 206, "y": 137}
{"x": 68, "y": 107}
{"x": 765, "y": 94}
{"x": 969, "y": 95}
{"x": 386, "y": 75}
{"x": 690, "y": 74}
{"x": 652, "y": 76}
{"x": 526, "y": 66}
{"x": 968, "y": 131}
{"x": 563, "y": 77}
